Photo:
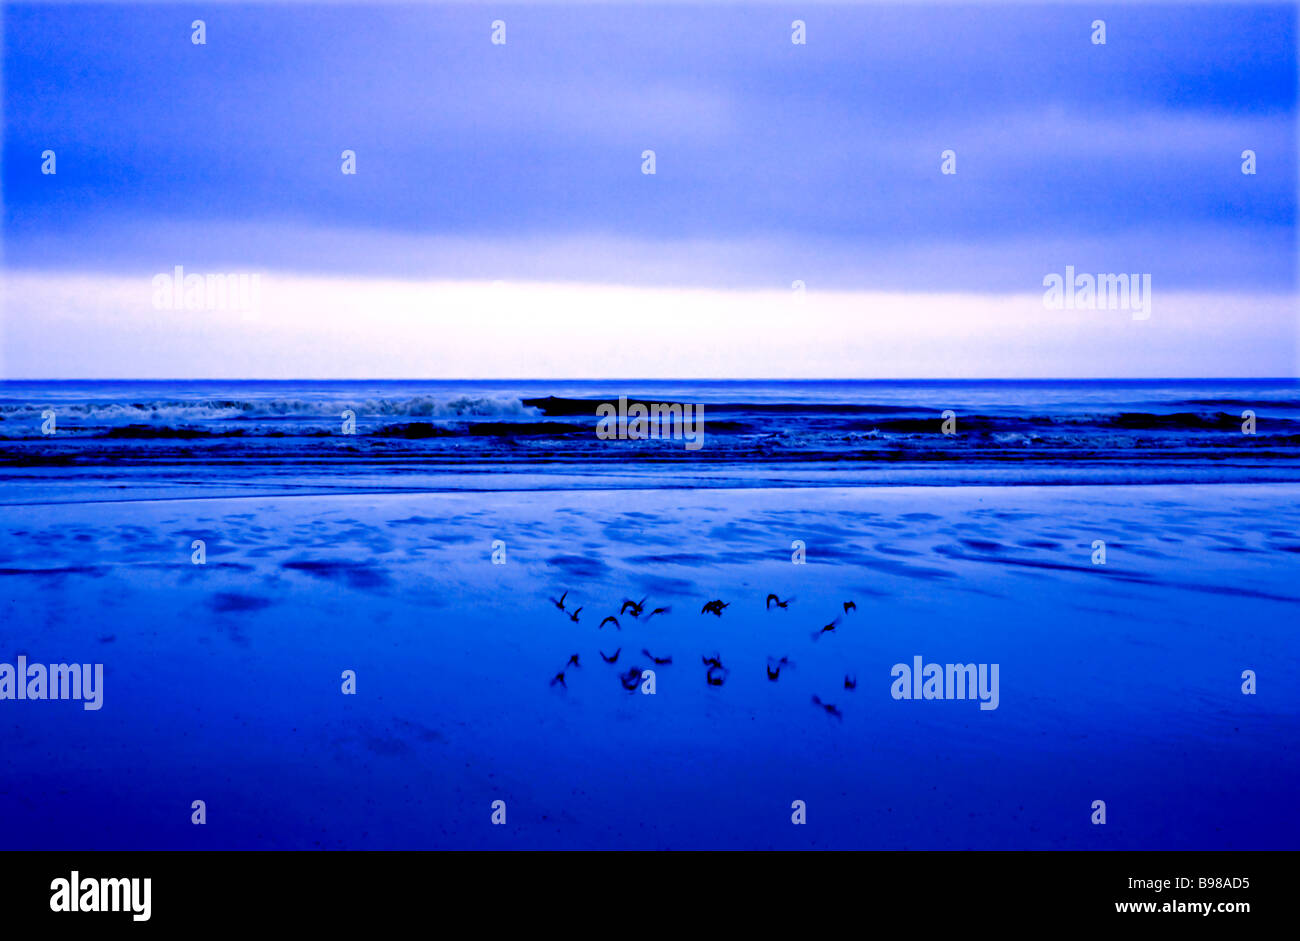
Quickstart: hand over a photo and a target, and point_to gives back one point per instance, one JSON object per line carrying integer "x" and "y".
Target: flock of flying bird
{"x": 715, "y": 673}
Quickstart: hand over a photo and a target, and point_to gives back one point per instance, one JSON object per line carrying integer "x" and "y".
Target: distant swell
{"x": 405, "y": 430}
{"x": 560, "y": 407}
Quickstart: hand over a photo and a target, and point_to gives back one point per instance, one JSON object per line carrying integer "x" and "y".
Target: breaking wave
{"x": 188, "y": 411}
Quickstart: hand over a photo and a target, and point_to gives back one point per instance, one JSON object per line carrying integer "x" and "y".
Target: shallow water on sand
{"x": 1118, "y": 682}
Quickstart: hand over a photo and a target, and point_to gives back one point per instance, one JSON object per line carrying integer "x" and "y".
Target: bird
{"x": 559, "y": 678}
{"x": 607, "y": 620}
{"x": 560, "y": 604}
{"x": 713, "y": 661}
{"x": 636, "y": 607}
{"x": 830, "y": 710}
{"x": 826, "y": 629}
{"x": 611, "y": 658}
{"x": 658, "y": 661}
{"x": 574, "y": 616}
{"x": 850, "y": 682}
{"x": 849, "y": 606}
{"x": 573, "y": 662}
{"x": 715, "y": 607}
{"x": 657, "y": 611}
{"x": 717, "y": 675}
{"x": 774, "y": 671}
{"x": 631, "y": 679}
{"x": 779, "y": 602}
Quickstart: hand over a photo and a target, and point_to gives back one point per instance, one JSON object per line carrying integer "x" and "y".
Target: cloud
{"x": 833, "y": 147}
{"x": 1250, "y": 258}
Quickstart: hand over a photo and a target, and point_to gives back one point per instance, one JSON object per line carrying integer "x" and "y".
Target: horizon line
{"x": 1112, "y": 379}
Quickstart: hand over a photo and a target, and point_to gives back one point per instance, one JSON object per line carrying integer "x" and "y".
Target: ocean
{"x": 336, "y": 613}
{"x": 276, "y": 437}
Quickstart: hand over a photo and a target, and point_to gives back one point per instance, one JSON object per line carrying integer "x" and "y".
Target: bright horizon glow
{"x": 57, "y": 326}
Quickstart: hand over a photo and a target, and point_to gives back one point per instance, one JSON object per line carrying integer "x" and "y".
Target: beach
{"x": 223, "y": 681}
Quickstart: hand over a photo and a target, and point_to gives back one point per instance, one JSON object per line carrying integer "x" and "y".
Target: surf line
{"x": 83, "y": 681}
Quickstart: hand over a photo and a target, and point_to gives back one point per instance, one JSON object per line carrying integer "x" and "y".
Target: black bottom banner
{"x": 235, "y": 889}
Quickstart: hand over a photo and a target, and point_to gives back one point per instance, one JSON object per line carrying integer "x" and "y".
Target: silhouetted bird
{"x": 657, "y": 611}
{"x": 573, "y": 662}
{"x": 830, "y": 710}
{"x": 774, "y": 666}
{"x": 714, "y": 661}
{"x": 717, "y": 675}
{"x": 631, "y": 679}
{"x": 607, "y": 620}
{"x": 849, "y": 606}
{"x": 850, "y": 682}
{"x": 659, "y": 661}
{"x": 574, "y": 616}
{"x": 559, "y": 678}
{"x": 636, "y": 607}
{"x": 826, "y": 629}
{"x": 560, "y": 604}
{"x": 715, "y": 607}
{"x": 611, "y": 659}
{"x": 779, "y": 602}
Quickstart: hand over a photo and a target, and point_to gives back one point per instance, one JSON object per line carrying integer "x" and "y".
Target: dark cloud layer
{"x": 1131, "y": 150}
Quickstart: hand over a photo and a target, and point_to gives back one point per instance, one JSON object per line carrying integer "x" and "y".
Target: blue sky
{"x": 775, "y": 162}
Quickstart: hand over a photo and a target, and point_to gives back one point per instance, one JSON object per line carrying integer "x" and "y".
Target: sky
{"x": 797, "y": 224}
